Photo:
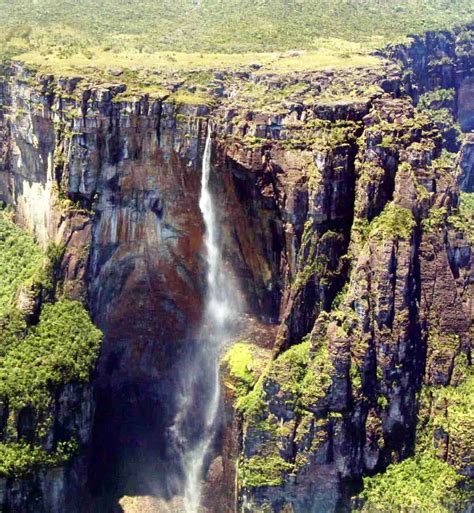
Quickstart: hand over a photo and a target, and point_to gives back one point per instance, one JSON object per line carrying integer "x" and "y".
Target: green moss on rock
{"x": 317, "y": 379}
{"x": 436, "y": 220}
{"x": 259, "y": 471}
{"x": 394, "y": 221}
{"x": 244, "y": 362}
{"x": 289, "y": 369}
{"x": 450, "y": 417}
{"x": 462, "y": 219}
{"x": 423, "y": 484}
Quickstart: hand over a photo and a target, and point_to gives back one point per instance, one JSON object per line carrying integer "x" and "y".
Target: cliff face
{"x": 56, "y": 486}
{"x": 344, "y": 402}
{"x": 343, "y": 225}
{"x": 353, "y": 397}
{"x": 440, "y": 60}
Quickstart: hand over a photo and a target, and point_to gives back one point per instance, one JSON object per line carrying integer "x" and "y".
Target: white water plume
{"x": 202, "y": 376}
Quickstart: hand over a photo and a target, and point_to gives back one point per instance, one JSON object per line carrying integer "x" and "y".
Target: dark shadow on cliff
{"x": 135, "y": 451}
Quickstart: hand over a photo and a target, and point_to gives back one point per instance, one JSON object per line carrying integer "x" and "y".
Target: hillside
{"x": 157, "y": 47}
{"x": 220, "y": 25}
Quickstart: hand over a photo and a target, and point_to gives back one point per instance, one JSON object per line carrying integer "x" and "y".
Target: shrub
{"x": 37, "y": 361}
{"x": 394, "y": 221}
{"x": 61, "y": 349}
{"x": 20, "y": 260}
{"x": 423, "y": 484}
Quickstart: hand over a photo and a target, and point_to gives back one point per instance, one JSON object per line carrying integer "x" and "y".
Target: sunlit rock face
{"x": 466, "y": 164}
{"x": 294, "y": 192}
{"x": 303, "y": 449}
{"x": 120, "y": 186}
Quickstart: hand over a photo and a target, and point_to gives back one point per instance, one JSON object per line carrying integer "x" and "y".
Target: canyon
{"x": 341, "y": 198}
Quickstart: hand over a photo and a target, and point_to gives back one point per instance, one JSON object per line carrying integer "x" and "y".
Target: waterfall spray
{"x": 220, "y": 310}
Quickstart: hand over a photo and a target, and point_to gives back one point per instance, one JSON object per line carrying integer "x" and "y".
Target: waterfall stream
{"x": 197, "y": 419}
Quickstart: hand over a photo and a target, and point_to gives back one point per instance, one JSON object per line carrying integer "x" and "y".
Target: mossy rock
{"x": 244, "y": 362}
{"x": 423, "y": 484}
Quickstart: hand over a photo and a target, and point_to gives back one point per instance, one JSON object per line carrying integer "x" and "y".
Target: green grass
{"x": 220, "y": 25}
{"x": 153, "y": 73}
{"x": 149, "y": 37}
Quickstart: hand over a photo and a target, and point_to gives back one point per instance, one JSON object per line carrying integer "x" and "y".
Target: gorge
{"x": 279, "y": 263}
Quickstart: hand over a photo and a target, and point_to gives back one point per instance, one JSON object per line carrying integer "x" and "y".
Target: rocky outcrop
{"x": 440, "y": 61}
{"x": 466, "y": 165}
{"x": 55, "y": 487}
{"x": 4, "y": 141}
{"x": 344, "y": 402}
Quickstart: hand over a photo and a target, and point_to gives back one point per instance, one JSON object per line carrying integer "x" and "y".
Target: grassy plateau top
{"x": 172, "y": 36}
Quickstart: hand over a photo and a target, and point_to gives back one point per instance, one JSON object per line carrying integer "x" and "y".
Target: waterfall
{"x": 202, "y": 377}
{"x": 219, "y": 304}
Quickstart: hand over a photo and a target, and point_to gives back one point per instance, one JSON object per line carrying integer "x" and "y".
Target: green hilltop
{"x": 223, "y": 26}
{"x": 150, "y": 44}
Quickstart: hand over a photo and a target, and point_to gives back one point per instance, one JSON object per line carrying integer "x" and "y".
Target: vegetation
{"x": 187, "y": 78}
{"x": 287, "y": 371}
{"x": 61, "y": 349}
{"x": 423, "y": 484}
{"x": 279, "y": 411}
{"x": 438, "y": 99}
{"x": 317, "y": 380}
{"x": 20, "y": 260}
{"x": 245, "y": 362}
{"x": 467, "y": 202}
{"x": 36, "y": 361}
{"x": 463, "y": 218}
{"x": 224, "y": 26}
{"x": 19, "y": 459}
{"x": 34, "y": 364}
{"x": 450, "y": 411}
{"x": 144, "y": 43}
{"x": 260, "y": 471}
{"x": 440, "y": 106}
{"x": 432, "y": 481}
{"x": 394, "y": 221}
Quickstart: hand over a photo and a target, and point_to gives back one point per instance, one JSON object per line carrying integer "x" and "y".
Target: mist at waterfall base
{"x": 197, "y": 421}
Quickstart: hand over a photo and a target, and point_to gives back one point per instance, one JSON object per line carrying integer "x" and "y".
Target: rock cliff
{"x": 343, "y": 222}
